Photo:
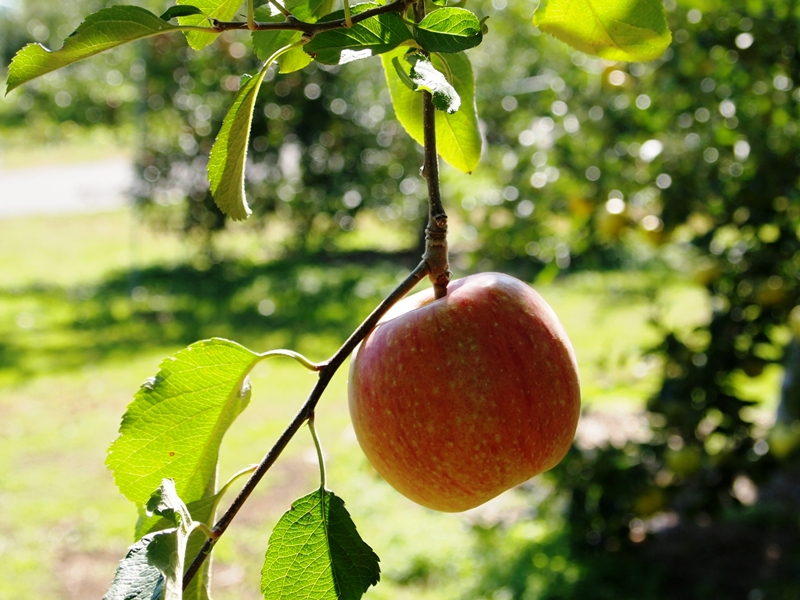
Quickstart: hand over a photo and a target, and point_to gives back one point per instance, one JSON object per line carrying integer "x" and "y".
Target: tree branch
{"x": 311, "y": 29}
{"x": 326, "y": 372}
{"x": 436, "y": 253}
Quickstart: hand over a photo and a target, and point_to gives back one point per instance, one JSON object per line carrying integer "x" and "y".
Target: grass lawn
{"x": 75, "y": 345}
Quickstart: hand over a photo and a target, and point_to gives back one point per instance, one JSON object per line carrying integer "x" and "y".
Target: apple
{"x": 458, "y": 399}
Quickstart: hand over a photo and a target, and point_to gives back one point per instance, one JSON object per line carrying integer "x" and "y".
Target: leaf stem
{"x": 348, "y": 19}
{"x": 251, "y": 19}
{"x": 311, "y": 366}
{"x": 326, "y": 373}
{"x": 312, "y": 428}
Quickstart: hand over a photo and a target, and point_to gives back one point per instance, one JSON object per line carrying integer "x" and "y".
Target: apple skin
{"x": 456, "y": 400}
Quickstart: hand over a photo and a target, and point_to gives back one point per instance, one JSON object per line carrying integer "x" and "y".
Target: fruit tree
{"x": 458, "y": 395}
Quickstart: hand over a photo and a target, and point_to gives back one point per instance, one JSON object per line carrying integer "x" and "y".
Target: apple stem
{"x": 436, "y": 254}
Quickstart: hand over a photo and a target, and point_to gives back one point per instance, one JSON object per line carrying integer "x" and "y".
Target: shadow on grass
{"x": 310, "y": 304}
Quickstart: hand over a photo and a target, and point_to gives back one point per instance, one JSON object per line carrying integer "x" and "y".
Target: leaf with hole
{"x": 449, "y": 30}
{"x": 458, "y": 138}
{"x": 370, "y": 37}
{"x": 103, "y": 30}
{"x": 316, "y": 553}
{"x": 630, "y": 30}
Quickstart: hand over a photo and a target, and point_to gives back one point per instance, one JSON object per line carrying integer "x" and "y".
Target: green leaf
{"x": 267, "y": 43}
{"x": 629, "y": 30}
{"x": 100, "y": 31}
{"x": 136, "y": 578}
{"x": 370, "y": 37}
{"x": 316, "y": 553}
{"x": 449, "y": 30}
{"x": 155, "y": 562}
{"x": 167, "y": 549}
{"x": 294, "y": 60}
{"x": 202, "y": 511}
{"x": 458, "y": 138}
{"x": 180, "y": 11}
{"x": 227, "y": 160}
{"x": 166, "y": 503}
{"x": 425, "y": 77}
{"x": 222, "y": 10}
{"x": 176, "y": 422}
{"x": 309, "y": 10}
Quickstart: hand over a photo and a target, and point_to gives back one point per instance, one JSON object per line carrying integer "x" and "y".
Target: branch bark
{"x": 326, "y": 370}
{"x": 310, "y": 29}
{"x": 434, "y": 264}
{"x": 436, "y": 252}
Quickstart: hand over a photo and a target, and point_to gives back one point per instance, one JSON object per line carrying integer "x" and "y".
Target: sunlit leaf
{"x": 449, "y": 30}
{"x": 100, "y": 31}
{"x": 222, "y": 10}
{"x": 266, "y": 43}
{"x": 458, "y": 138}
{"x": 227, "y": 160}
{"x": 316, "y": 553}
{"x": 177, "y": 420}
{"x": 310, "y": 10}
{"x": 370, "y": 37}
{"x": 629, "y": 30}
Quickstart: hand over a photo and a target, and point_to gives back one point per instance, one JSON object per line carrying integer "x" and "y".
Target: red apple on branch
{"x": 458, "y": 399}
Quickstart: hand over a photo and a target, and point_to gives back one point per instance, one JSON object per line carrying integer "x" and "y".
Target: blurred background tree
{"x": 686, "y": 165}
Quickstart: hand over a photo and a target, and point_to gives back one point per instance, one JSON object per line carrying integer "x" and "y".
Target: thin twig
{"x": 326, "y": 372}
{"x": 311, "y": 29}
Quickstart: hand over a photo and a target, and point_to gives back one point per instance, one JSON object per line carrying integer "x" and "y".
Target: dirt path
{"x": 65, "y": 188}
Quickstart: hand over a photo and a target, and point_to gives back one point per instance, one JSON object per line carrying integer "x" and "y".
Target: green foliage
{"x": 372, "y": 36}
{"x": 101, "y": 31}
{"x": 448, "y": 30}
{"x": 315, "y": 553}
{"x": 153, "y": 566}
{"x": 180, "y": 11}
{"x": 458, "y": 138}
{"x": 175, "y": 424}
{"x": 222, "y": 10}
{"x": 167, "y": 548}
{"x": 227, "y": 160}
{"x": 423, "y": 76}
{"x": 616, "y": 29}
{"x": 267, "y": 43}
{"x": 136, "y": 578}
